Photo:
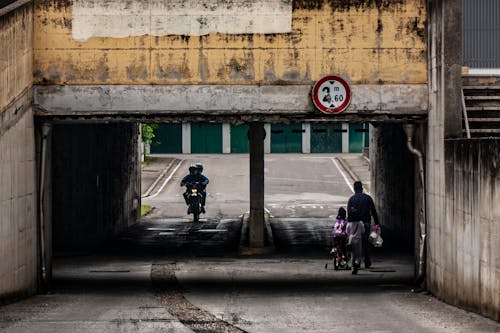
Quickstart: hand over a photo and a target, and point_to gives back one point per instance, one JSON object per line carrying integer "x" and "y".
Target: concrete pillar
{"x": 452, "y": 67}
{"x": 306, "y": 138}
{"x": 186, "y": 138}
{"x": 267, "y": 140}
{"x": 226, "y": 138}
{"x": 140, "y": 145}
{"x": 345, "y": 138}
{"x": 256, "y": 136}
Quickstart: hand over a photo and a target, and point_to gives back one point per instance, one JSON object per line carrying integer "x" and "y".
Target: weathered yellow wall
{"x": 357, "y": 39}
{"x": 18, "y": 209}
{"x": 16, "y": 54}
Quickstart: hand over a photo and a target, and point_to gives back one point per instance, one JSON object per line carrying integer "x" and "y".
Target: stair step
{"x": 485, "y": 126}
{"x": 482, "y": 98}
{"x": 485, "y": 131}
{"x": 486, "y": 120}
{"x": 483, "y": 135}
{"x": 481, "y": 80}
{"x": 484, "y": 108}
{"x": 481, "y": 87}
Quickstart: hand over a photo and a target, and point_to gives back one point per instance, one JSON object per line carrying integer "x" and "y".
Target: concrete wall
{"x": 462, "y": 181}
{"x": 392, "y": 181}
{"x": 465, "y": 256}
{"x": 18, "y": 204}
{"x": 16, "y": 52}
{"x": 94, "y": 42}
{"x": 95, "y": 183}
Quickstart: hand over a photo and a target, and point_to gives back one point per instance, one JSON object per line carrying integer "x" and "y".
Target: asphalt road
{"x": 195, "y": 280}
{"x": 296, "y": 185}
{"x": 233, "y": 294}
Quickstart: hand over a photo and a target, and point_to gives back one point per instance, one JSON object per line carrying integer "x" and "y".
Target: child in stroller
{"x": 339, "y": 242}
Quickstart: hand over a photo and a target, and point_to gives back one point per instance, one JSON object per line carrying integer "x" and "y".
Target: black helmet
{"x": 199, "y": 167}
{"x": 192, "y": 169}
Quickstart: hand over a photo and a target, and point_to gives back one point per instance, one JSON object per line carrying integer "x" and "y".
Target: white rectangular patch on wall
{"x": 126, "y": 18}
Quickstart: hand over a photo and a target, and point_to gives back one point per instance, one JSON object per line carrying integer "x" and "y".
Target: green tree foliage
{"x": 148, "y": 133}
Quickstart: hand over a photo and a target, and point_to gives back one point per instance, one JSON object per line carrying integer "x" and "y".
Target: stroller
{"x": 339, "y": 251}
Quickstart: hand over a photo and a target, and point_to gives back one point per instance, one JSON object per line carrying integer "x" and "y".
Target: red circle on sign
{"x": 329, "y": 85}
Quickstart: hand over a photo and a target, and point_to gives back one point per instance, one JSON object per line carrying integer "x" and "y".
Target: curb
{"x": 159, "y": 178}
{"x": 352, "y": 174}
{"x": 347, "y": 168}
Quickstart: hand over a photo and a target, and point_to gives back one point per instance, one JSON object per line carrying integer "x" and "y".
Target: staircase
{"x": 482, "y": 101}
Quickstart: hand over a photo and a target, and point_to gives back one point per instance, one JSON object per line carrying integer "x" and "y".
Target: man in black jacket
{"x": 360, "y": 207}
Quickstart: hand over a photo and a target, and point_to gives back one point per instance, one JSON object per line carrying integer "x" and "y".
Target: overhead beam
{"x": 222, "y": 100}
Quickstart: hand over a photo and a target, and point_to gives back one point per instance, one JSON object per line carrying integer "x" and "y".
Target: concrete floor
{"x": 167, "y": 274}
{"x": 234, "y": 294}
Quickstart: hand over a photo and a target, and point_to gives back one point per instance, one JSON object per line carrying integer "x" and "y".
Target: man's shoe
{"x": 355, "y": 270}
{"x": 368, "y": 264}
{"x": 203, "y": 209}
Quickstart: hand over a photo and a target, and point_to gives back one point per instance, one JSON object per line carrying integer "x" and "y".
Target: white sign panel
{"x": 124, "y": 18}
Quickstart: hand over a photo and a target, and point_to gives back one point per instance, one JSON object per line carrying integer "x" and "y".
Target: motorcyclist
{"x": 191, "y": 178}
{"x": 203, "y": 186}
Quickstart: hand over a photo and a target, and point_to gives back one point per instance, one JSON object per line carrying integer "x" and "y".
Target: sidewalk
{"x": 358, "y": 168}
{"x": 154, "y": 168}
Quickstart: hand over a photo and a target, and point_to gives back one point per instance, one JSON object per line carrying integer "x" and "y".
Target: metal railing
{"x": 466, "y": 119}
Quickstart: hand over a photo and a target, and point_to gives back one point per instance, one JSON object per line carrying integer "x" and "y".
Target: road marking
{"x": 157, "y": 180}
{"x": 342, "y": 173}
{"x": 166, "y": 180}
{"x": 301, "y": 180}
{"x": 160, "y": 229}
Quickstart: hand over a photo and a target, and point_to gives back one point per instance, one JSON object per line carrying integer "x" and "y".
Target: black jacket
{"x": 360, "y": 207}
{"x": 195, "y": 179}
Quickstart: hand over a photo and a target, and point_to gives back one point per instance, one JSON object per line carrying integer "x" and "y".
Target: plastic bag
{"x": 375, "y": 238}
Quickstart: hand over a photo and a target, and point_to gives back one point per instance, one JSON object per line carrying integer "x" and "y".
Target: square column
{"x": 256, "y": 136}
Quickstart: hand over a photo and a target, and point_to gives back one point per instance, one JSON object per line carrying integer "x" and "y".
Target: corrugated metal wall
{"x": 481, "y": 33}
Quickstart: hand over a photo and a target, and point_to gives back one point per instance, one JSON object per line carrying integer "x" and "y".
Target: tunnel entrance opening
{"x": 96, "y": 195}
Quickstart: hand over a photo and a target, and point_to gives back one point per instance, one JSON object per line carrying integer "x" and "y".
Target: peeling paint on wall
{"x": 123, "y": 18}
{"x": 364, "y": 41}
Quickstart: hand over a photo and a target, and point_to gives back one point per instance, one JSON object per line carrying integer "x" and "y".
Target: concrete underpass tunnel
{"x": 92, "y": 191}
{"x": 95, "y": 183}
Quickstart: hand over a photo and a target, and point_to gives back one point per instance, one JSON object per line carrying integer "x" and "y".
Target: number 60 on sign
{"x": 331, "y": 94}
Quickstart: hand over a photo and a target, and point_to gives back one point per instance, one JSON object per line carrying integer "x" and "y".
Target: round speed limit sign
{"x": 331, "y": 94}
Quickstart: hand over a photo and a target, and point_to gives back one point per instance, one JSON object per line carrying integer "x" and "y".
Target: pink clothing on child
{"x": 355, "y": 230}
{"x": 338, "y": 228}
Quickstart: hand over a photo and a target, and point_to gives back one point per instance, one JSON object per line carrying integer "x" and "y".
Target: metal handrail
{"x": 466, "y": 119}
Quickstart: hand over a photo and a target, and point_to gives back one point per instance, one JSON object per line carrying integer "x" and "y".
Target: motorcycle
{"x": 194, "y": 200}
